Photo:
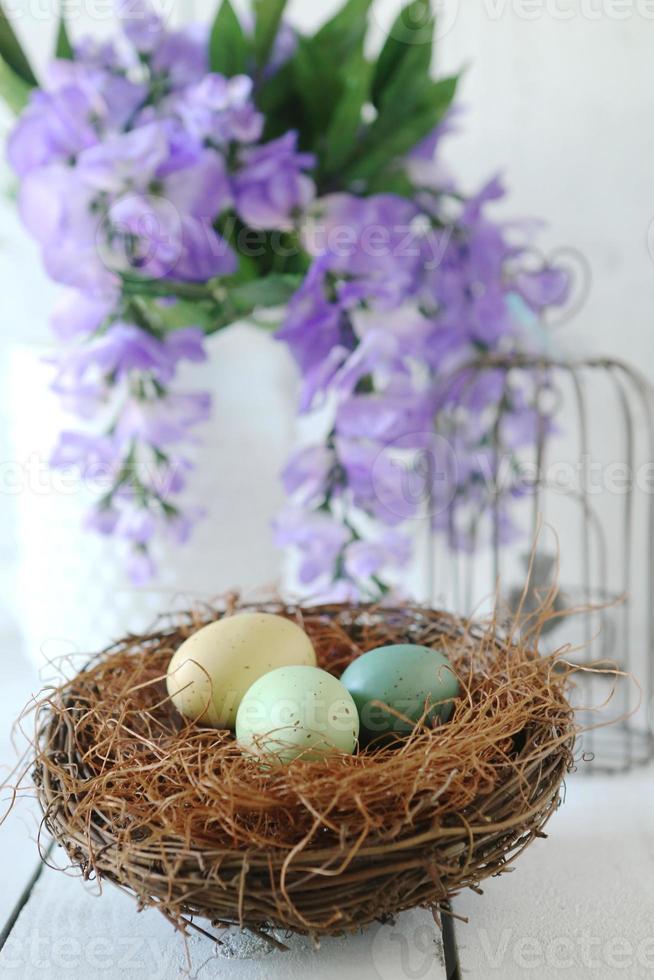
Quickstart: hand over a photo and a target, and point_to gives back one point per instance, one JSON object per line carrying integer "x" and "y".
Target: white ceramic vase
{"x": 66, "y": 587}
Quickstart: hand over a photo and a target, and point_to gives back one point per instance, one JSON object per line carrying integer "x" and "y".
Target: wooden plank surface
{"x": 577, "y": 905}
{"x": 580, "y": 904}
{"x": 18, "y": 855}
{"x": 67, "y": 931}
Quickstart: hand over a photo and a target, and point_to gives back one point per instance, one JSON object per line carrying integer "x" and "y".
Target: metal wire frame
{"x": 614, "y": 548}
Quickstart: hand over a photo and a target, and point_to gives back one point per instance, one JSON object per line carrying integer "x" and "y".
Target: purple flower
{"x": 55, "y": 127}
{"x": 270, "y": 187}
{"x": 392, "y": 344}
{"x": 373, "y": 242}
{"x": 83, "y": 449}
{"x": 125, "y": 160}
{"x": 140, "y": 566}
{"x": 50, "y": 209}
{"x": 363, "y": 559}
{"x": 137, "y": 525}
{"x": 84, "y": 399}
{"x": 179, "y": 526}
{"x": 144, "y": 234}
{"x": 377, "y": 482}
{"x": 319, "y": 536}
{"x": 103, "y": 520}
{"x": 115, "y": 98}
{"x": 79, "y": 105}
{"x": 170, "y": 477}
{"x": 318, "y": 378}
{"x": 126, "y": 348}
{"x": 181, "y": 57}
{"x": 474, "y": 389}
{"x": 387, "y": 416}
{"x": 490, "y": 318}
{"x": 59, "y": 214}
{"x": 492, "y": 190}
{"x": 220, "y": 110}
{"x": 150, "y": 235}
{"x": 122, "y": 349}
{"x": 186, "y": 344}
{"x": 168, "y": 232}
{"x": 306, "y": 474}
{"x": 93, "y": 53}
{"x": 141, "y": 25}
{"x": 165, "y": 422}
{"x": 314, "y": 326}
{"x": 542, "y": 288}
{"x": 79, "y": 314}
{"x": 204, "y": 254}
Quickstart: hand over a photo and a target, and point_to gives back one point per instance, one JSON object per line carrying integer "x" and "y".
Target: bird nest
{"x": 173, "y": 812}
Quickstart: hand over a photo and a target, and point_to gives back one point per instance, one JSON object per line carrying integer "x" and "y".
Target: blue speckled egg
{"x": 406, "y": 678}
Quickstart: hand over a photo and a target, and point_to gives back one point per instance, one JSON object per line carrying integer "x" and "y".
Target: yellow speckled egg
{"x": 213, "y": 669}
{"x": 297, "y": 712}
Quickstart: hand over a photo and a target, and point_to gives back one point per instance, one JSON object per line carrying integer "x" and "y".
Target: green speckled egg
{"x": 405, "y": 677}
{"x": 297, "y": 712}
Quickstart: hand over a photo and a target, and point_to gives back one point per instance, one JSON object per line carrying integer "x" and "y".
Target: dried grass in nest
{"x": 176, "y": 815}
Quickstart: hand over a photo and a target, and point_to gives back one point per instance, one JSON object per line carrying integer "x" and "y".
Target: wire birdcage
{"x": 585, "y": 501}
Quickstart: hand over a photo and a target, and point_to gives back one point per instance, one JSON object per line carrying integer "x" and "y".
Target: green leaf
{"x": 393, "y": 181}
{"x": 317, "y": 86}
{"x": 183, "y": 313}
{"x": 346, "y": 121}
{"x": 346, "y": 31}
{"x": 269, "y": 15}
{"x": 278, "y": 100}
{"x": 393, "y": 135}
{"x": 134, "y": 285}
{"x": 409, "y": 87}
{"x": 411, "y": 36}
{"x": 318, "y": 78}
{"x": 275, "y": 92}
{"x": 228, "y": 46}
{"x": 213, "y": 305}
{"x": 12, "y": 53}
{"x": 64, "y": 48}
{"x": 274, "y": 290}
{"x": 13, "y": 90}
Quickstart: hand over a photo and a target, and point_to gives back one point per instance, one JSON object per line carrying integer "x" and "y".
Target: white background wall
{"x": 559, "y": 97}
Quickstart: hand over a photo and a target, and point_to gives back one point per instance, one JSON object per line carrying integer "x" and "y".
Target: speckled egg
{"x": 297, "y": 712}
{"x": 404, "y": 677}
{"x": 212, "y": 670}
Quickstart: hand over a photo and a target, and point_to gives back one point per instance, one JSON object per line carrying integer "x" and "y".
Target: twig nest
{"x": 173, "y": 810}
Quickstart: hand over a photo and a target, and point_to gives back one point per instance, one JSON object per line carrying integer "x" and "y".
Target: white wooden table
{"x": 580, "y": 904}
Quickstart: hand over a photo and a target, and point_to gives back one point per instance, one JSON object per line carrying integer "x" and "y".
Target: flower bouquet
{"x": 180, "y": 180}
